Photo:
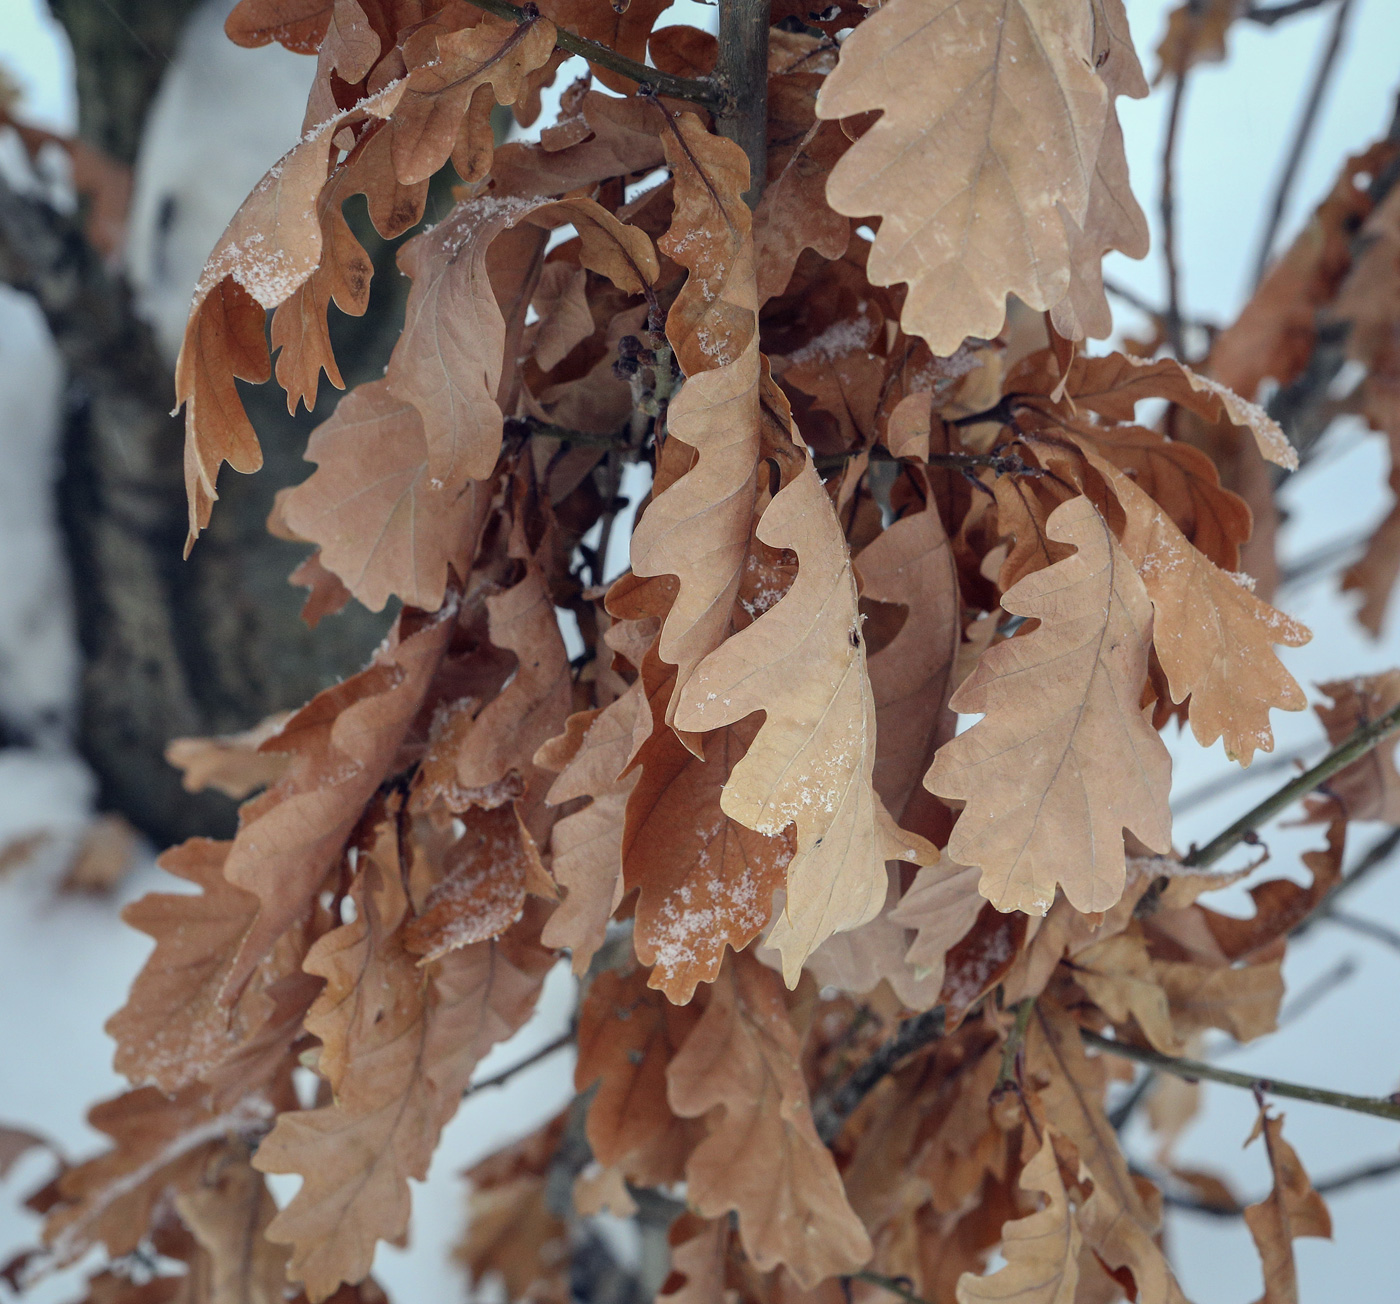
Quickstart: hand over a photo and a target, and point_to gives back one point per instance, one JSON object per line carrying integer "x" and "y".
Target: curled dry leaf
{"x": 628, "y": 1035}
{"x": 1368, "y": 789}
{"x": 230, "y": 763}
{"x": 1292, "y": 1209}
{"x": 697, "y": 526}
{"x": 1041, "y": 1250}
{"x": 762, "y": 1158}
{"x": 1116, "y": 1222}
{"x": 399, "y": 1046}
{"x": 811, "y": 763}
{"x": 1062, "y": 760}
{"x": 1214, "y": 638}
{"x": 341, "y": 744}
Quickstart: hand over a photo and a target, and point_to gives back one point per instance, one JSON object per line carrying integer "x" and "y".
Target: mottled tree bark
{"x": 170, "y": 647}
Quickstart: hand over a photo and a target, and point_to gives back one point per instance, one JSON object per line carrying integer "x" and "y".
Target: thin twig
{"x": 526, "y": 426}
{"x": 1301, "y": 137}
{"x": 1373, "y": 1171}
{"x": 1218, "y": 787}
{"x": 698, "y": 90}
{"x": 913, "y": 1034}
{"x": 1014, "y": 1039}
{"x": 1364, "y": 927}
{"x": 1171, "y": 321}
{"x": 1351, "y": 749}
{"x": 505, "y": 1075}
{"x": 1192, "y": 1070}
{"x": 1374, "y": 858}
{"x": 1268, "y": 15}
{"x": 895, "y": 1285}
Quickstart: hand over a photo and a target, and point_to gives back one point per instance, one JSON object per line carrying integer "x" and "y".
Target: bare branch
{"x": 1193, "y": 1070}
{"x": 698, "y": 90}
{"x": 913, "y": 1034}
{"x": 1351, "y": 749}
{"x": 1306, "y": 123}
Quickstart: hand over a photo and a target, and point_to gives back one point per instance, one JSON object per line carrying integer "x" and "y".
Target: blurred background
{"x": 110, "y": 645}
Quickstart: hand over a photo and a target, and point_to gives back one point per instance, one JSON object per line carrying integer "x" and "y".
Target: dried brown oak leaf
{"x": 342, "y": 745}
{"x": 230, "y": 763}
{"x": 399, "y": 1045}
{"x": 1117, "y": 1222}
{"x": 740, "y": 1070}
{"x": 300, "y": 330}
{"x": 174, "y": 1026}
{"x": 587, "y": 844}
{"x": 441, "y": 114}
{"x": 272, "y": 245}
{"x": 448, "y": 361}
{"x": 911, "y": 564}
{"x": 993, "y": 117}
{"x": 1063, "y": 759}
{"x": 1041, "y": 1249}
{"x": 1113, "y": 220}
{"x": 704, "y": 881}
{"x": 1214, "y": 638}
{"x": 486, "y": 872}
{"x": 811, "y": 764}
{"x": 384, "y": 528}
{"x": 1292, "y": 1209}
{"x": 697, "y": 527}
{"x": 1369, "y": 788}
{"x": 228, "y": 1217}
{"x": 1113, "y": 385}
{"x": 160, "y": 1143}
{"x": 628, "y": 1034}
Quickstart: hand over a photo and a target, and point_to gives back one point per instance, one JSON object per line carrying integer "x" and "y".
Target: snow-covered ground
{"x": 65, "y": 962}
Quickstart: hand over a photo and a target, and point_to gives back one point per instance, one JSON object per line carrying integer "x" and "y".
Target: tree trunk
{"x": 170, "y": 648}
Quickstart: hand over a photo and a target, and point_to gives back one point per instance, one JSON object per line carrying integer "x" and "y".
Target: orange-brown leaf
{"x": 739, "y": 1069}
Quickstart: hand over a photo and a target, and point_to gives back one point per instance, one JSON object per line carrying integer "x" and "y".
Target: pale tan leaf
{"x": 740, "y": 1070}
{"x": 1214, "y": 638}
{"x": 1116, "y": 1222}
{"x": 993, "y": 115}
{"x": 811, "y": 763}
{"x": 1041, "y": 1250}
{"x": 1292, "y": 1209}
{"x": 383, "y": 527}
{"x": 1118, "y": 976}
{"x": 941, "y": 905}
{"x": 697, "y": 527}
{"x": 1063, "y": 759}
{"x": 230, "y": 763}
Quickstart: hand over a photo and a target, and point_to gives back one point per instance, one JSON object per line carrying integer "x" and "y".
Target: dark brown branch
{"x": 1171, "y": 320}
{"x": 505, "y": 1075}
{"x": 698, "y": 90}
{"x": 524, "y": 427}
{"x": 1374, "y": 1171}
{"x": 913, "y": 1034}
{"x": 1268, "y": 15}
{"x": 1378, "y": 854}
{"x": 1304, "y": 407}
{"x": 1301, "y": 137}
{"x": 900, "y": 1286}
{"x": 742, "y": 73}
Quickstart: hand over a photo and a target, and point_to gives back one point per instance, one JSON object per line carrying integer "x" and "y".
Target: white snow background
{"x": 224, "y": 115}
